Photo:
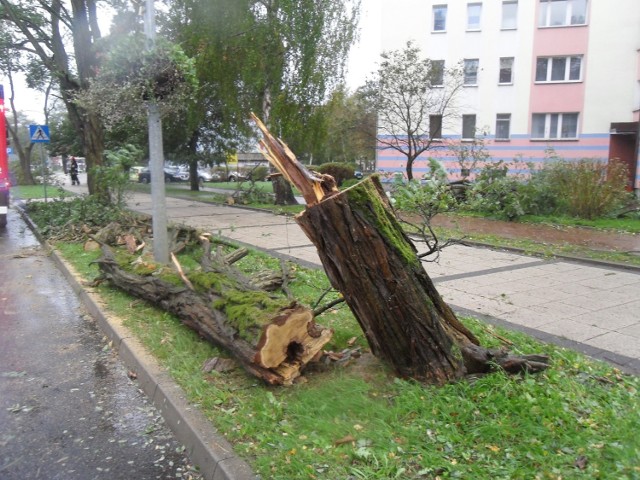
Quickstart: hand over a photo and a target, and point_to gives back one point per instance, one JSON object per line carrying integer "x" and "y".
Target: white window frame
{"x": 550, "y": 61}
{"x": 441, "y": 7}
{"x": 503, "y": 119}
{"x": 553, "y": 126}
{"x": 510, "y": 67}
{"x": 476, "y": 27}
{"x": 467, "y": 65}
{"x": 509, "y": 22}
{"x": 546, "y": 13}
{"x": 473, "y": 136}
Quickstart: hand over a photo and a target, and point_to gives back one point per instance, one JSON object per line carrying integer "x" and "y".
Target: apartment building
{"x": 538, "y": 75}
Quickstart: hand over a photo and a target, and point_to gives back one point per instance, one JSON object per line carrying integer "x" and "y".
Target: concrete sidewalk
{"x": 591, "y": 308}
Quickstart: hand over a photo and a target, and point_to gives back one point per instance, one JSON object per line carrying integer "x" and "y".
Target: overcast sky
{"x": 365, "y": 55}
{"x": 362, "y": 62}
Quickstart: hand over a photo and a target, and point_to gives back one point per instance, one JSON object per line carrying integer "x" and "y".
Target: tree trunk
{"x": 283, "y": 191}
{"x": 93, "y": 132}
{"x": 371, "y": 261}
{"x": 272, "y": 339}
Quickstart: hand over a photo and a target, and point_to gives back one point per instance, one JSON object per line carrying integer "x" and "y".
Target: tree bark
{"x": 272, "y": 339}
{"x": 283, "y": 191}
{"x": 370, "y": 260}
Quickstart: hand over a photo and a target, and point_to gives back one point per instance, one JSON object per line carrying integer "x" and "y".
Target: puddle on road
{"x": 70, "y": 398}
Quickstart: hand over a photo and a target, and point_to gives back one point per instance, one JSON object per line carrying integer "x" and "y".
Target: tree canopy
{"x": 59, "y": 38}
{"x": 278, "y": 58}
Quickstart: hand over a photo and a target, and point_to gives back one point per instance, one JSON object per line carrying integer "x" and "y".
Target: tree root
{"x": 482, "y": 360}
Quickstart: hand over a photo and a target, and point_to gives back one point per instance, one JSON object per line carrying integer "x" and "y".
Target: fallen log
{"x": 271, "y": 338}
{"x": 373, "y": 263}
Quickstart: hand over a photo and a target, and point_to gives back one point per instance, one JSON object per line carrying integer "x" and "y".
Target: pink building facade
{"x": 542, "y": 77}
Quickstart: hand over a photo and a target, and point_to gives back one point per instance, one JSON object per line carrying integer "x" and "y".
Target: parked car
{"x": 358, "y": 174}
{"x": 134, "y": 172}
{"x": 170, "y": 175}
{"x": 237, "y": 177}
{"x": 205, "y": 175}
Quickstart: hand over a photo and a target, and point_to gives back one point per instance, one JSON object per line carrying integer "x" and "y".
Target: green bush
{"x": 424, "y": 199}
{"x": 259, "y": 173}
{"x": 538, "y": 196}
{"x": 349, "y": 183}
{"x": 339, "y": 171}
{"x": 589, "y": 188}
{"x": 113, "y": 176}
{"x": 496, "y": 193}
{"x": 55, "y": 218}
{"x": 585, "y": 189}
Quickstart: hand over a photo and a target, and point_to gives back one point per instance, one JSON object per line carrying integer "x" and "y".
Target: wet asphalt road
{"x": 67, "y": 407}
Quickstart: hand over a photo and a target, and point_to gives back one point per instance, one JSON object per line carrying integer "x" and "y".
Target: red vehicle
{"x": 4, "y": 164}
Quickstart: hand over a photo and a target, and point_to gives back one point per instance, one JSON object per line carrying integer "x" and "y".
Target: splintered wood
{"x": 314, "y": 187}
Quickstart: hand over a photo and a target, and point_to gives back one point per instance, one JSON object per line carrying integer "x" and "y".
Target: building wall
{"x": 608, "y": 92}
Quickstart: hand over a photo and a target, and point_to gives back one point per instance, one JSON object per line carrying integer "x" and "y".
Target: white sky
{"x": 362, "y": 62}
{"x": 28, "y": 101}
{"x": 364, "y": 56}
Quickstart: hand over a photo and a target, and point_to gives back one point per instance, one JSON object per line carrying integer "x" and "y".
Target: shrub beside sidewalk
{"x": 354, "y": 420}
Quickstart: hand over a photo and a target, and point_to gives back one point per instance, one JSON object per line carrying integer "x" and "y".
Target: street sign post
{"x": 40, "y": 134}
{"x": 5, "y": 183}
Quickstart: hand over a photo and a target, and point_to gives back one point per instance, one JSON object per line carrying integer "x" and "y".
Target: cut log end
{"x": 292, "y": 338}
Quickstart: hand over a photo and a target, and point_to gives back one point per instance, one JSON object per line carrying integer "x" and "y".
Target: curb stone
{"x": 206, "y": 447}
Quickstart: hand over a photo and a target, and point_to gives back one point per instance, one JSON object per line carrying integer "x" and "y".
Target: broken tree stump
{"x": 373, "y": 263}
{"x": 272, "y": 338}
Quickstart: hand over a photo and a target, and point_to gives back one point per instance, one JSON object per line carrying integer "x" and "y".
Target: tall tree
{"x": 350, "y": 125}
{"x": 212, "y": 33}
{"x": 416, "y": 99}
{"x": 41, "y": 29}
{"x": 299, "y": 57}
{"x": 278, "y": 58}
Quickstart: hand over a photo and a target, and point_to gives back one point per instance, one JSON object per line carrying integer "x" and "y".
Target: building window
{"x": 503, "y": 126}
{"x": 435, "y": 126}
{"x": 509, "y": 15}
{"x": 474, "y": 11}
{"x": 558, "y": 69}
{"x": 561, "y": 13}
{"x": 547, "y": 126}
{"x": 471, "y": 71}
{"x": 439, "y": 18}
{"x": 437, "y": 73}
{"x": 468, "y": 127}
{"x": 506, "y": 70}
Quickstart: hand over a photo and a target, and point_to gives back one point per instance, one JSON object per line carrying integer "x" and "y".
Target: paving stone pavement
{"x": 591, "y": 308}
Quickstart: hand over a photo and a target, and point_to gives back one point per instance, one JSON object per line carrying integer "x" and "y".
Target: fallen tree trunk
{"x": 272, "y": 339}
{"x": 370, "y": 260}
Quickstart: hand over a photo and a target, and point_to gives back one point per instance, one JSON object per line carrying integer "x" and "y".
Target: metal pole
{"x": 156, "y": 157}
{"x": 44, "y": 171}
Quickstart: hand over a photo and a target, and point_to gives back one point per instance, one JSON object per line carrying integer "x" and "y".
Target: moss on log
{"x": 272, "y": 338}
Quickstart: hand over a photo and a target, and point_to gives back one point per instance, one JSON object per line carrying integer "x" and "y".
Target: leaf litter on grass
{"x": 577, "y": 420}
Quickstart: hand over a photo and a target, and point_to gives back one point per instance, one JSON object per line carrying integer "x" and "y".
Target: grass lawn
{"x": 578, "y": 420}
{"x": 28, "y": 192}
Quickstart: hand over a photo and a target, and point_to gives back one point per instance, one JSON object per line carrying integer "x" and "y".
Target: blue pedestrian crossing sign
{"x": 39, "y": 133}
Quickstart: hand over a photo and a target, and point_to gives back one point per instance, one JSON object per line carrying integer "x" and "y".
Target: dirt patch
{"x": 561, "y": 235}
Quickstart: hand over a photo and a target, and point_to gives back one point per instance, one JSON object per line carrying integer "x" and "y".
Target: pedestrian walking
{"x": 73, "y": 171}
